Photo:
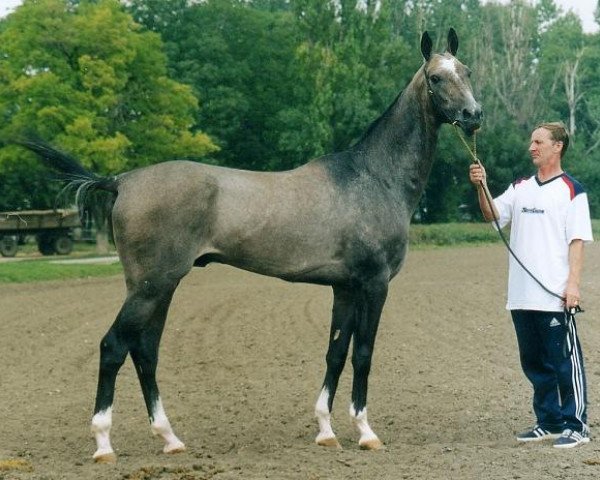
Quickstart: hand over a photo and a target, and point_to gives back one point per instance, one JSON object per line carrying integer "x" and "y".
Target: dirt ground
{"x": 242, "y": 361}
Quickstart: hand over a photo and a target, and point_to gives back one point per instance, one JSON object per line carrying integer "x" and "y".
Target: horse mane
{"x": 384, "y": 115}
{"x": 378, "y": 120}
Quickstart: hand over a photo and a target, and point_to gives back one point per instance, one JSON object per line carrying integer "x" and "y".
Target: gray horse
{"x": 340, "y": 220}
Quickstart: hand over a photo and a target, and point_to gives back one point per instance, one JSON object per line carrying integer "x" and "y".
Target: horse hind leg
{"x": 144, "y": 353}
{"x": 339, "y": 342}
{"x": 137, "y": 331}
{"x": 113, "y": 351}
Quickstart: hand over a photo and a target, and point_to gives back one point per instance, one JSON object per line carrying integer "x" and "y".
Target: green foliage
{"x": 448, "y": 234}
{"x": 85, "y": 76}
{"x": 352, "y": 67}
{"x": 521, "y": 62}
{"x": 275, "y": 83}
{"x": 282, "y": 82}
{"x": 240, "y": 62}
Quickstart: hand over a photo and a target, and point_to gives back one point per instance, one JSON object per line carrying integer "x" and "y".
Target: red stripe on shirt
{"x": 570, "y": 184}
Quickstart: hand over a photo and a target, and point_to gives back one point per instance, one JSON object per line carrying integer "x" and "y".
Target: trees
{"x": 353, "y": 65}
{"x": 239, "y": 60}
{"x": 282, "y": 81}
{"x": 536, "y": 65}
{"x": 84, "y": 76}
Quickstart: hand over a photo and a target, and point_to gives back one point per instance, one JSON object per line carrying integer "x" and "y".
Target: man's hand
{"x": 477, "y": 174}
{"x": 571, "y": 297}
{"x": 571, "y": 292}
{"x": 477, "y": 177}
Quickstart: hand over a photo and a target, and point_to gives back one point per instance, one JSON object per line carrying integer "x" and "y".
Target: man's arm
{"x": 575, "y": 268}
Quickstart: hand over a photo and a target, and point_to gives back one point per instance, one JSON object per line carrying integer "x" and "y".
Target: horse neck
{"x": 399, "y": 147}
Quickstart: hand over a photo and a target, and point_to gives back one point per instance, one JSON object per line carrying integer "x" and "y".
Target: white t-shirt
{"x": 545, "y": 218}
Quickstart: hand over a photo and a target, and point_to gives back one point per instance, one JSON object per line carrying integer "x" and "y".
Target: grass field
{"x": 30, "y": 266}
{"x": 42, "y": 270}
{"x": 445, "y": 234}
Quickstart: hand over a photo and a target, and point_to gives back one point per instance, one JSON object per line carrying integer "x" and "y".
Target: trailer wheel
{"x": 46, "y": 245}
{"x": 63, "y": 245}
{"x": 8, "y": 246}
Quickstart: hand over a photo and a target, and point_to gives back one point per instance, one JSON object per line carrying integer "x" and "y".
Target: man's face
{"x": 543, "y": 150}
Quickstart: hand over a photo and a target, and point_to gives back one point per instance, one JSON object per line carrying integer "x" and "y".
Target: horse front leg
{"x": 339, "y": 341}
{"x": 367, "y": 321}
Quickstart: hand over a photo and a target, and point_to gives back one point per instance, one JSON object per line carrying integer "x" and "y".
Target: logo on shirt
{"x": 555, "y": 323}
{"x": 532, "y": 210}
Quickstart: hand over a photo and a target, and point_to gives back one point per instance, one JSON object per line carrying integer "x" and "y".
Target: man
{"x": 550, "y": 222}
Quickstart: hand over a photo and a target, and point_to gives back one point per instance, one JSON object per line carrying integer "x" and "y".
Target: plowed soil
{"x": 242, "y": 361}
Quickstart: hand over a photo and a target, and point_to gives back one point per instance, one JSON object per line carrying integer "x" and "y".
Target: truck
{"x": 53, "y": 230}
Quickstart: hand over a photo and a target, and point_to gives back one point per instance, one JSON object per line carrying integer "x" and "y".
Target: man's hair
{"x": 558, "y": 133}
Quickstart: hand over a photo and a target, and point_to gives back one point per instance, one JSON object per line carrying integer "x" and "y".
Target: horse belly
{"x": 282, "y": 254}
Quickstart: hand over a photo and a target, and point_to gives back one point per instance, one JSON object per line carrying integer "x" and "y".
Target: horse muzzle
{"x": 469, "y": 119}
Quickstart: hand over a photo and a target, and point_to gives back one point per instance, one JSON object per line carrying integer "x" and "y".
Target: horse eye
{"x": 435, "y": 79}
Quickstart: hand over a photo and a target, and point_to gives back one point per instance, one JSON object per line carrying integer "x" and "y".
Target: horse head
{"x": 449, "y": 87}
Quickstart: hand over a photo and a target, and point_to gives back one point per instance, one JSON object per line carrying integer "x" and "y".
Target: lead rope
{"x": 569, "y": 313}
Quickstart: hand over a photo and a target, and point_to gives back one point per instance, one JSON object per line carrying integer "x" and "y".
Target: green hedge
{"x": 440, "y": 234}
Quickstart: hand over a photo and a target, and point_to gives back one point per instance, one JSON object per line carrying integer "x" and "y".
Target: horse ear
{"x": 452, "y": 41}
{"x": 426, "y": 45}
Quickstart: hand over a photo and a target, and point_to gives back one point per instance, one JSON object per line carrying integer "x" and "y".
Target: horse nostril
{"x": 474, "y": 115}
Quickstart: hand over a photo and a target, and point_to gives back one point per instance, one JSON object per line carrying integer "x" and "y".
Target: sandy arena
{"x": 242, "y": 361}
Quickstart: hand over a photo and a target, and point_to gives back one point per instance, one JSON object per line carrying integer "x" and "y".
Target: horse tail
{"x": 78, "y": 178}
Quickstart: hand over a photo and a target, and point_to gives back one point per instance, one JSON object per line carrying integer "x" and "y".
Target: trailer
{"x": 53, "y": 230}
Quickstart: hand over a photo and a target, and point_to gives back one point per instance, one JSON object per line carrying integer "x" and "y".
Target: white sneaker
{"x": 536, "y": 434}
{"x": 571, "y": 438}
